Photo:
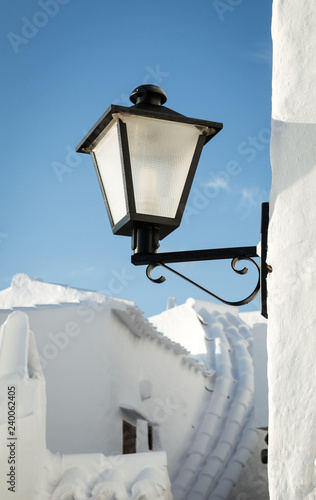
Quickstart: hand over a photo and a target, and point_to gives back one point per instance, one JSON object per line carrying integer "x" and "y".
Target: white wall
{"x": 94, "y": 365}
{"x": 292, "y": 254}
{"x": 260, "y": 362}
{"x": 22, "y": 412}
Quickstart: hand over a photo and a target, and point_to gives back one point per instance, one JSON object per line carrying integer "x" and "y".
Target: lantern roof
{"x": 145, "y": 158}
{"x": 148, "y": 102}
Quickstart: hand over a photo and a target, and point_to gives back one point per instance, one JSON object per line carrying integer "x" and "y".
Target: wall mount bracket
{"x": 235, "y": 254}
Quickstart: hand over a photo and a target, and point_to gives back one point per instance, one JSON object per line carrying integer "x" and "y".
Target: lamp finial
{"x": 148, "y": 94}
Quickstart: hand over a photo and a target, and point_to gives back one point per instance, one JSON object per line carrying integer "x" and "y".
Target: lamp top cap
{"x": 148, "y": 94}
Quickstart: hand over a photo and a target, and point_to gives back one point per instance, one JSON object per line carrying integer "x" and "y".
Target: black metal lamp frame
{"x": 147, "y": 230}
{"x": 150, "y": 107}
{"x": 236, "y": 254}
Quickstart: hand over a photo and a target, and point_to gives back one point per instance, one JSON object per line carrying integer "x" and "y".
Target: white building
{"x": 291, "y": 253}
{"x": 117, "y": 385}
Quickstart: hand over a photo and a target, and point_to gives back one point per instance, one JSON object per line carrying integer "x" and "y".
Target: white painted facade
{"x": 96, "y": 357}
{"x": 292, "y": 255}
{"x": 28, "y": 470}
{"x": 103, "y": 363}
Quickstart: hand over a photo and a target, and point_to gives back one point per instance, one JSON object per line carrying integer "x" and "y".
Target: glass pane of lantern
{"x": 161, "y": 152}
{"x": 109, "y": 161}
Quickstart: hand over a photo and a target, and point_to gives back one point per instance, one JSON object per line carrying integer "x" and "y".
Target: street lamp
{"x": 145, "y": 157}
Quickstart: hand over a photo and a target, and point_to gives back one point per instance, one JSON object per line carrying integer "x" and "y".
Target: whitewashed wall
{"x": 22, "y": 415}
{"x": 292, "y": 254}
{"x": 94, "y": 365}
{"x": 260, "y": 361}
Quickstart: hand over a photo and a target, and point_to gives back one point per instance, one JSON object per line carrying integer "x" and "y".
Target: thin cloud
{"x": 218, "y": 183}
{"x": 262, "y": 54}
{"x": 250, "y": 198}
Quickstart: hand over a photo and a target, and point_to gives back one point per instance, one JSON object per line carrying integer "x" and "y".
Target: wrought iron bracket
{"x": 235, "y": 254}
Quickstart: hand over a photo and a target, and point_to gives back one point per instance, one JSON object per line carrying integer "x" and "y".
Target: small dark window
{"x": 129, "y": 438}
{"x": 150, "y": 437}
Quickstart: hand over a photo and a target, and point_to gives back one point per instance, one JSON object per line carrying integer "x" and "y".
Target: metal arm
{"x": 233, "y": 263}
{"x": 235, "y": 254}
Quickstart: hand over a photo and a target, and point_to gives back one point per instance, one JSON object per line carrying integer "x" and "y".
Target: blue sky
{"x": 63, "y": 63}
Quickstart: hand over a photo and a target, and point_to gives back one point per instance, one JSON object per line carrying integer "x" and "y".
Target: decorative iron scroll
{"x": 234, "y": 262}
